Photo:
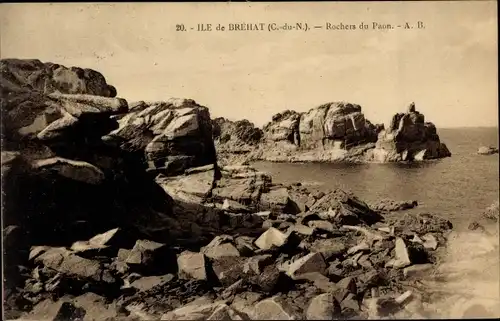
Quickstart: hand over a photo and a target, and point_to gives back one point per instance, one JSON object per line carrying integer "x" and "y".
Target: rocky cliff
{"x": 339, "y": 132}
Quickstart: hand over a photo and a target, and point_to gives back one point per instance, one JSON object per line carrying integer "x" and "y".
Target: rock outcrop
{"x": 339, "y": 132}
{"x": 409, "y": 137}
{"x": 120, "y": 211}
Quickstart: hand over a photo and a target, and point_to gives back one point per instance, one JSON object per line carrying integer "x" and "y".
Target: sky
{"x": 449, "y": 69}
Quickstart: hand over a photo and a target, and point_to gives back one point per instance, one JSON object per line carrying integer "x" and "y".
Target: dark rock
{"x": 329, "y": 248}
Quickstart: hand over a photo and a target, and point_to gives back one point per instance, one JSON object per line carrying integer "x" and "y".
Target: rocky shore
{"x": 337, "y": 132}
{"x": 124, "y": 211}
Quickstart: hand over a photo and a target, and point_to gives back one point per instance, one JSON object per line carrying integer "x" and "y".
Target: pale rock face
{"x": 174, "y": 135}
{"x": 284, "y": 127}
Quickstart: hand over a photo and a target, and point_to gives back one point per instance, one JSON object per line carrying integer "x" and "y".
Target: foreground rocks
{"x": 409, "y": 137}
{"x": 321, "y": 263}
{"x": 339, "y": 132}
{"x": 488, "y": 221}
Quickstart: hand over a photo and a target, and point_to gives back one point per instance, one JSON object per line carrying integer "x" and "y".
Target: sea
{"x": 458, "y": 188}
{"x": 466, "y": 282}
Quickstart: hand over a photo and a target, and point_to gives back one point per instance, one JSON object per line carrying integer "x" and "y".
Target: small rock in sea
{"x": 192, "y": 265}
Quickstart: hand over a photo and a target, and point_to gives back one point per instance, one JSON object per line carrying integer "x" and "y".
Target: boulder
{"x": 389, "y": 205}
{"x": 228, "y": 269}
{"x": 278, "y": 200}
{"x": 151, "y": 257}
{"x": 402, "y": 257}
{"x": 409, "y": 138}
{"x": 312, "y": 262}
{"x": 284, "y": 127}
{"x": 273, "y": 309}
{"x": 271, "y": 237}
{"x": 193, "y": 311}
{"x": 417, "y": 270}
{"x": 146, "y": 283}
{"x": 192, "y": 266}
{"x": 75, "y": 267}
{"x": 220, "y": 246}
{"x": 242, "y": 184}
{"x": 235, "y": 136}
{"x": 337, "y": 121}
{"x": 194, "y": 187}
{"x": 34, "y": 75}
{"x": 487, "y": 150}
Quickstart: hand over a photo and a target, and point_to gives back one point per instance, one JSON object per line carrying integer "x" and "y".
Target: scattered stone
{"x": 392, "y": 205}
{"x": 357, "y": 248}
{"x": 71, "y": 265}
{"x": 329, "y": 248}
{"x": 228, "y": 269}
{"x": 322, "y": 225}
{"x": 323, "y": 307}
{"x": 365, "y": 262}
{"x": 224, "y": 312}
{"x": 255, "y": 264}
{"x": 271, "y": 237}
{"x": 304, "y": 230}
{"x": 417, "y": 270}
{"x": 192, "y": 266}
{"x": 245, "y": 245}
{"x": 312, "y": 262}
{"x": 404, "y": 297}
{"x": 402, "y": 258}
{"x": 219, "y": 247}
{"x": 149, "y": 257}
{"x": 349, "y": 284}
{"x": 68, "y": 311}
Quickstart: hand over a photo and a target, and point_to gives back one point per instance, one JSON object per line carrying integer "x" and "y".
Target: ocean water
{"x": 458, "y": 188}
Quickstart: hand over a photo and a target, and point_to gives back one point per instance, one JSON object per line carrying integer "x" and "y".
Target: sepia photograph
{"x": 249, "y": 160}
